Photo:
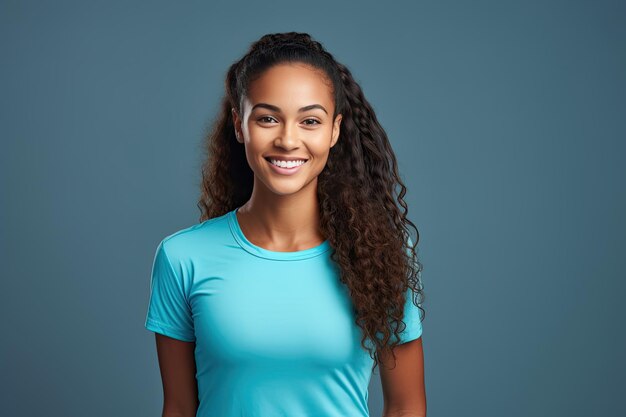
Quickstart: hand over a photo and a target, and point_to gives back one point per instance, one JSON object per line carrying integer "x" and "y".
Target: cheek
{"x": 259, "y": 139}
{"x": 318, "y": 146}
{"x": 255, "y": 141}
{"x": 253, "y": 154}
{"x": 320, "y": 149}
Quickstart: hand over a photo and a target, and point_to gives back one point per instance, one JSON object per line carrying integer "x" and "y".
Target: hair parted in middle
{"x": 362, "y": 209}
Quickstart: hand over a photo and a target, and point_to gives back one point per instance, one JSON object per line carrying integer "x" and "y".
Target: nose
{"x": 287, "y": 138}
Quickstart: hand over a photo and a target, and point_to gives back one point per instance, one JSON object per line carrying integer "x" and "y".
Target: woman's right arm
{"x": 178, "y": 374}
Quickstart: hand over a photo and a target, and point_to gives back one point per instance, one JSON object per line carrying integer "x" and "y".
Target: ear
{"x": 237, "y": 125}
{"x": 336, "y": 130}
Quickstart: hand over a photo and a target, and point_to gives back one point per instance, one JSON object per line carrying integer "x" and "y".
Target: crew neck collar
{"x": 235, "y": 228}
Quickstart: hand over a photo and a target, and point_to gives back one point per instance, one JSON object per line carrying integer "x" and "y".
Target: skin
{"x": 283, "y": 211}
{"x": 282, "y": 214}
{"x": 404, "y": 391}
{"x": 178, "y": 374}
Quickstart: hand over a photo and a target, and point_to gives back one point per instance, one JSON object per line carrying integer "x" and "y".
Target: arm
{"x": 178, "y": 373}
{"x": 404, "y": 392}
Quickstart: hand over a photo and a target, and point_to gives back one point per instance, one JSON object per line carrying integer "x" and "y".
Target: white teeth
{"x": 287, "y": 164}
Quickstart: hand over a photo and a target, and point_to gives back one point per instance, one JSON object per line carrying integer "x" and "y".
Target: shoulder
{"x": 202, "y": 237}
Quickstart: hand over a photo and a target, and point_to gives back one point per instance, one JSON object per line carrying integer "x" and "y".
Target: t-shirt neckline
{"x": 250, "y": 247}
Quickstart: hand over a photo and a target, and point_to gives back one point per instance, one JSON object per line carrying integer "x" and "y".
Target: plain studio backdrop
{"x": 508, "y": 119}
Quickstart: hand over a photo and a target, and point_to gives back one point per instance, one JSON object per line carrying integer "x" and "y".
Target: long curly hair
{"x": 359, "y": 190}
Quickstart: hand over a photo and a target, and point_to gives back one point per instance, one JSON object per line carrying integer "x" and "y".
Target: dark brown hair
{"x": 359, "y": 190}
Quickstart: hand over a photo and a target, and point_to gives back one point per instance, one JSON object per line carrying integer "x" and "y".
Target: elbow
{"x": 188, "y": 412}
{"x": 178, "y": 414}
{"x": 404, "y": 413}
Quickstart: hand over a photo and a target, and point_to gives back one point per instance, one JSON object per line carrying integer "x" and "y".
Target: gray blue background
{"x": 508, "y": 119}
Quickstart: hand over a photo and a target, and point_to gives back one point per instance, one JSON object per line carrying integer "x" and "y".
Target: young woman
{"x": 301, "y": 277}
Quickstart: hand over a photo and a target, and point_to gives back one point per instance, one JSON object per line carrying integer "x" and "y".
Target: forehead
{"x": 292, "y": 85}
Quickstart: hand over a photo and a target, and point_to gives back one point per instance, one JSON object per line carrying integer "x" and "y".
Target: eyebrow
{"x": 300, "y": 110}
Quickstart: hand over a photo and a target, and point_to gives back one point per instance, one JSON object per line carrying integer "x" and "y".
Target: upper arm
{"x": 178, "y": 373}
{"x": 170, "y": 317}
{"x": 404, "y": 391}
{"x": 169, "y": 310}
{"x": 403, "y": 386}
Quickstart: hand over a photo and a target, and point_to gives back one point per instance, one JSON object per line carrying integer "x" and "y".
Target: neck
{"x": 282, "y": 221}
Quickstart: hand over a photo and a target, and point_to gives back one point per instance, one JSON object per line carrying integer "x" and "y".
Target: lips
{"x": 285, "y": 170}
{"x": 285, "y": 158}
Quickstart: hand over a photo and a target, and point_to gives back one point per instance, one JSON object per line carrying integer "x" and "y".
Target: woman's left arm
{"x": 404, "y": 391}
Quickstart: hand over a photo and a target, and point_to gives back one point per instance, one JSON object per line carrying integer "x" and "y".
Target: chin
{"x": 278, "y": 190}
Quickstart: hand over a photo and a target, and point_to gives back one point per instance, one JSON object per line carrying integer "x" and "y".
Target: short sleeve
{"x": 169, "y": 312}
{"x": 412, "y": 320}
{"x": 411, "y": 317}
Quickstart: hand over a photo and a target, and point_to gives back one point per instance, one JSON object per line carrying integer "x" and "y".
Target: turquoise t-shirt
{"x": 274, "y": 332}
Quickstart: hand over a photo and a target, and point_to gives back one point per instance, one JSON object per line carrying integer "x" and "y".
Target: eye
{"x": 312, "y": 120}
{"x": 264, "y": 119}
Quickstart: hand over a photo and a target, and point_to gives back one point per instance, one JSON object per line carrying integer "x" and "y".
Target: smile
{"x": 286, "y": 167}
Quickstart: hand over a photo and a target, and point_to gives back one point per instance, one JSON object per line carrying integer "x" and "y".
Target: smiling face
{"x": 287, "y": 115}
